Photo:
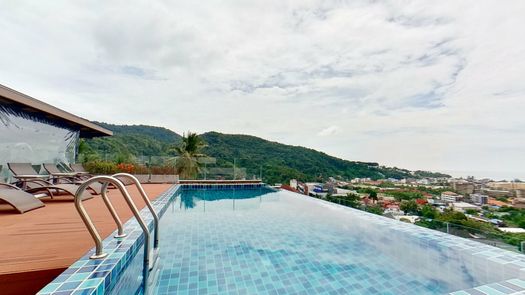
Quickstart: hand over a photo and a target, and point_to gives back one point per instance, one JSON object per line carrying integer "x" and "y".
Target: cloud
{"x": 409, "y": 83}
{"x": 332, "y": 130}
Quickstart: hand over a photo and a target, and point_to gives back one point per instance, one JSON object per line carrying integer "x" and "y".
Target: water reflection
{"x": 208, "y": 201}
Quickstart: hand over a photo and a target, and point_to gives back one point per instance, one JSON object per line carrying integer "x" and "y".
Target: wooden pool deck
{"x": 37, "y": 246}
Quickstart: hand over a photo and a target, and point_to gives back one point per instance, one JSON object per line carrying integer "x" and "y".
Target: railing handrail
{"x": 99, "y": 251}
{"x": 109, "y": 205}
{"x": 148, "y": 204}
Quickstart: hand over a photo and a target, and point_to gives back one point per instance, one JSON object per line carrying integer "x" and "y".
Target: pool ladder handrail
{"x": 148, "y": 204}
{"x": 99, "y": 251}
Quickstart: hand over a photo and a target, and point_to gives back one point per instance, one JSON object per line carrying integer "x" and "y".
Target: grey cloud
{"x": 383, "y": 71}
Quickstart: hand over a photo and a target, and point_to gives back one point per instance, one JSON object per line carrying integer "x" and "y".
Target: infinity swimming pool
{"x": 261, "y": 241}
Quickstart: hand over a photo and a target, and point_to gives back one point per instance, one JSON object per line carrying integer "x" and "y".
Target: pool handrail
{"x": 111, "y": 209}
{"x": 148, "y": 204}
{"x": 99, "y": 251}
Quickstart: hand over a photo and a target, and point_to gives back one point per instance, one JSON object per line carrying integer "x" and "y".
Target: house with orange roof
{"x": 494, "y": 202}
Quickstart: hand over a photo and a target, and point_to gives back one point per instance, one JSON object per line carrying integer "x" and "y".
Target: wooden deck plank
{"x": 49, "y": 239}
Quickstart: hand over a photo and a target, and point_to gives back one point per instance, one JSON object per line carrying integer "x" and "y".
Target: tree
{"x": 373, "y": 196}
{"x": 428, "y": 211}
{"x": 189, "y": 150}
{"x": 376, "y": 209}
{"x": 471, "y": 211}
{"x": 452, "y": 216}
{"x": 403, "y": 195}
{"x": 352, "y": 200}
{"x": 408, "y": 206}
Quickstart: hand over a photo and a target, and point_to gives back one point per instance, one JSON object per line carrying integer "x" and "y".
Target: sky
{"x": 431, "y": 85}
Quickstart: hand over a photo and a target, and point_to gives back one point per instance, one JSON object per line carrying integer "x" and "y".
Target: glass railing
{"x": 203, "y": 168}
{"x": 492, "y": 236}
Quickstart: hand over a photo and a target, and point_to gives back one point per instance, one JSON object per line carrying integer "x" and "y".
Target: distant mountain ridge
{"x": 277, "y": 162}
{"x": 158, "y": 133}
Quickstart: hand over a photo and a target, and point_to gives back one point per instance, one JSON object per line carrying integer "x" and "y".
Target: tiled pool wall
{"x": 221, "y": 186}
{"x": 87, "y": 276}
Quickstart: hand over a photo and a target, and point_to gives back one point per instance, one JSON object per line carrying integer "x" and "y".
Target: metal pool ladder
{"x": 144, "y": 196}
{"x": 114, "y": 180}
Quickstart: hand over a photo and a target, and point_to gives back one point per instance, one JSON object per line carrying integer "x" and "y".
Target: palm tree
{"x": 189, "y": 150}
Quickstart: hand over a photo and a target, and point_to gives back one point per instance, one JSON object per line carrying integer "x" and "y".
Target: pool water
{"x": 260, "y": 241}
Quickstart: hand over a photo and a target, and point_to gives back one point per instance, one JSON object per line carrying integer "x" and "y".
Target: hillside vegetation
{"x": 282, "y": 162}
{"x": 277, "y": 162}
{"x": 132, "y": 140}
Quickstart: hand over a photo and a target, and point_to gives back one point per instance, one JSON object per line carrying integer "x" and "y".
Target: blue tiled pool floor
{"x": 226, "y": 240}
{"x": 238, "y": 242}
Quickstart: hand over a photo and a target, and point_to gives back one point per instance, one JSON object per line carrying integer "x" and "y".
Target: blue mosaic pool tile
{"x": 84, "y": 291}
{"x": 296, "y": 279}
{"x": 48, "y": 289}
{"x": 67, "y": 286}
{"x": 221, "y": 186}
{"x": 120, "y": 251}
{"x": 75, "y": 277}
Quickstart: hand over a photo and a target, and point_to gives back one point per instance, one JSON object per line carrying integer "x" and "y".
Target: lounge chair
{"x": 79, "y": 169}
{"x": 54, "y": 172}
{"x": 70, "y": 177}
{"x": 21, "y": 201}
{"x": 83, "y": 174}
{"x": 33, "y": 182}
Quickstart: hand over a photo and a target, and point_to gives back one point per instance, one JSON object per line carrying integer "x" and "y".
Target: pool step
{"x": 154, "y": 273}
{"x": 153, "y": 278}
{"x": 153, "y": 258}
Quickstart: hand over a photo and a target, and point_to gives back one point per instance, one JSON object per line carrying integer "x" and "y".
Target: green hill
{"x": 277, "y": 162}
{"x": 282, "y": 162}
{"x": 132, "y": 140}
{"x": 158, "y": 133}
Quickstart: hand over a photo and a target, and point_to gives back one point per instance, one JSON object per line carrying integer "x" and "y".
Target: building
{"x": 463, "y": 187}
{"x": 450, "y": 197}
{"x": 462, "y": 206}
{"x": 424, "y": 181}
{"x": 436, "y": 202}
{"x": 360, "y": 180}
{"x": 507, "y": 185}
{"x": 494, "y": 202}
{"x": 479, "y": 199}
{"x": 497, "y": 193}
{"x": 518, "y": 203}
{"x": 298, "y": 186}
{"x": 34, "y": 132}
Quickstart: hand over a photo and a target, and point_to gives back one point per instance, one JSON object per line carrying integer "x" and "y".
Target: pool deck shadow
{"x": 37, "y": 246}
